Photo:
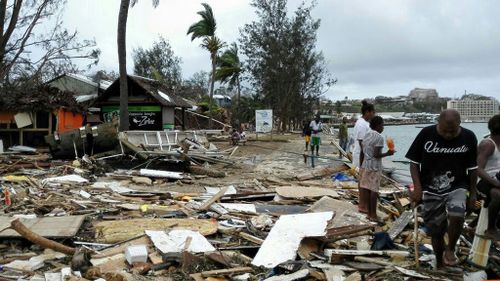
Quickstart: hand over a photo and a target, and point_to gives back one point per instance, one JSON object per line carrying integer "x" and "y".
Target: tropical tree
{"x": 205, "y": 29}
{"x": 158, "y": 62}
{"x": 34, "y": 44}
{"x": 229, "y": 70}
{"x": 122, "y": 59}
{"x": 284, "y": 67}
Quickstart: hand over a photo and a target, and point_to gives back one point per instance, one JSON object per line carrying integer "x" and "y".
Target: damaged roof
{"x": 153, "y": 88}
{"x": 41, "y": 98}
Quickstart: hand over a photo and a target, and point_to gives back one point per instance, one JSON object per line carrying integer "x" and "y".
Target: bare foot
{"x": 493, "y": 234}
{"x": 449, "y": 258}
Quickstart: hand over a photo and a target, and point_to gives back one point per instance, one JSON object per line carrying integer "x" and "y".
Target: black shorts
{"x": 484, "y": 189}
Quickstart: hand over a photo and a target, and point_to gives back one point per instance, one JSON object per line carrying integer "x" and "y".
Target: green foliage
{"x": 229, "y": 67}
{"x": 205, "y": 29}
{"x": 283, "y": 65}
{"x": 195, "y": 87}
{"x": 206, "y": 26}
{"x": 159, "y": 63}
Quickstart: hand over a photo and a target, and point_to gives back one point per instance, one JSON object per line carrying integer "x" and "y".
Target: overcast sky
{"x": 372, "y": 47}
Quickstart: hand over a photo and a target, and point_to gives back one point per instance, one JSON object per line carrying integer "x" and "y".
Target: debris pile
{"x": 195, "y": 212}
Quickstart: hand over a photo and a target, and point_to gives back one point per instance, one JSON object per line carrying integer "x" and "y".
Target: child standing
{"x": 371, "y": 156}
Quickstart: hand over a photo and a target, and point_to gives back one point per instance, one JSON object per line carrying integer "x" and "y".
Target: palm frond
{"x": 206, "y": 26}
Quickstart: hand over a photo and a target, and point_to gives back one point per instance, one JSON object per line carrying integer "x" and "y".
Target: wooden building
{"x": 151, "y": 104}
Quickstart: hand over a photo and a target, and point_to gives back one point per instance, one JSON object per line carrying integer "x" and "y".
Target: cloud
{"x": 377, "y": 47}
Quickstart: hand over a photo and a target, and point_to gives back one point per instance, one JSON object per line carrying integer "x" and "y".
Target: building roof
{"x": 79, "y": 84}
{"x": 41, "y": 98}
{"x": 154, "y": 88}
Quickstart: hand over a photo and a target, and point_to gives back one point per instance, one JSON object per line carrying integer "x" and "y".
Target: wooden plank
{"x": 400, "y": 224}
{"x": 117, "y": 231}
{"x": 214, "y": 198}
{"x": 228, "y": 271}
{"x": 52, "y": 227}
{"x": 300, "y": 192}
{"x": 330, "y": 252}
{"x": 251, "y": 238}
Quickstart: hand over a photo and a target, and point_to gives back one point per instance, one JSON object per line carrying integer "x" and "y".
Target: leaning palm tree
{"x": 205, "y": 29}
{"x": 229, "y": 70}
{"x": 122, "y": 59}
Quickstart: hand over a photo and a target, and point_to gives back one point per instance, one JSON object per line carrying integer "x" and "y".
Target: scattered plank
{"x": 214, "y": 198}
{"x": 117, "y": 231}
{"x": 251, "y": 238}
{"x": 300, "y": 192}
{"x": 31, "y": 236}
{"x": 400, "y": 224}
{"x": 50, "y": 227}
{"x": 228, "y": 271}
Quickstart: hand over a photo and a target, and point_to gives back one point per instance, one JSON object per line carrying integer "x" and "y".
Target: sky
{"x": 376, "y": 47}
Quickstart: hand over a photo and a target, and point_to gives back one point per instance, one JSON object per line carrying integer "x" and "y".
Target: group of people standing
{"x": 445, "y": 162}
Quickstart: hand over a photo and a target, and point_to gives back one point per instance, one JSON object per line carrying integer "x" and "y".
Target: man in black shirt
{"x": 443, "y": 169}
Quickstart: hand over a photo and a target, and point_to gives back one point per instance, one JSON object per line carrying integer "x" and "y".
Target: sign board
{"x": 263, "y": 121}
{"x": 141, "y": 117}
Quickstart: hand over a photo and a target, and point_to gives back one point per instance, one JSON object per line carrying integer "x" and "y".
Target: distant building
{"x": 222, "y": 100}
{"x": 475, "y": 110}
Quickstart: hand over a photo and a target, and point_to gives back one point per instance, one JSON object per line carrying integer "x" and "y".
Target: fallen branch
{"x": 20, "y": 228}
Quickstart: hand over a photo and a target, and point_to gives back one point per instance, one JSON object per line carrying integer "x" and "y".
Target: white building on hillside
{"x": 475, "y": 110}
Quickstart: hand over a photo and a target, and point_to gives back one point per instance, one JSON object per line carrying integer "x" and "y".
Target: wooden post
{"x": 183, "y": 110}
{"x": 480, "y": 246}
{"x": 25, "y": 232}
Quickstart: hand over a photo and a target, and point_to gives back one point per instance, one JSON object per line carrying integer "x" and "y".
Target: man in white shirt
{"x": 316, "y": 127}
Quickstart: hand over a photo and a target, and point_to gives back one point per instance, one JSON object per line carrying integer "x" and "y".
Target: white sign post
{"x": 264, "y": 121}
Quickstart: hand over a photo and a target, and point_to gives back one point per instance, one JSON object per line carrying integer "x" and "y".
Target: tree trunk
{"x": 122, "y": 62}
{"x": 212, "y": 82}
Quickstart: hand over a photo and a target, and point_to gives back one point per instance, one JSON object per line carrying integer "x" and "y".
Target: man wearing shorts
{"x": 316, "y": 127}
{"x": 444, "y": 170}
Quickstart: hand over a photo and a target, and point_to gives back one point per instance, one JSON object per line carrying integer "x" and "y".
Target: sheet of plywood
{"x": 53, "y": 227}
{"x": 116, "y": 231}
{"x": 300, "y": 192}
{"x": 282, "y": 242}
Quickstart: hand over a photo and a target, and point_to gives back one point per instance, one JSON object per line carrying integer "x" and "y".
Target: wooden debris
{"x": 251, "y": 238}
{"x": 400, "y": 224}
{"x": 20, "y": 228}
{"x": 214, "y": 198}
{"x": 300, "y": 192}
{"x": 117, "y": 231}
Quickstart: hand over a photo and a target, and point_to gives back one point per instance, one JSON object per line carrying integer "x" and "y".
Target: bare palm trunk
{"x": 122, "y": 62}
{"x": 211, "y": 102}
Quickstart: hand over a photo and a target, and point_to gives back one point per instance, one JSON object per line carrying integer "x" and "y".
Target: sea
{"x": 404, "y": 135}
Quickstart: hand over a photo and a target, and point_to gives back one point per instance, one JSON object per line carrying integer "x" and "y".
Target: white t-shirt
{"x": 360, "y": 129}
{"x": 315, "y": 127}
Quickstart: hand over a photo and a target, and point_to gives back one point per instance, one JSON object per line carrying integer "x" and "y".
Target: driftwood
{"x": 20, "y": 228}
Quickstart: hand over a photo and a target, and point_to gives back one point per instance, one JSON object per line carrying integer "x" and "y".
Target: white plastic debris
{"x": 176, "y": 241}
{"x": 161, "y": 174}
{"x": 65, "y": 179}
{"x": 283, "y": 241}
{"x": 136, "y": 253}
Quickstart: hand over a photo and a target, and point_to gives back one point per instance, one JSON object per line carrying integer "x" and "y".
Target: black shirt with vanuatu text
{"x": 443, "y": 163}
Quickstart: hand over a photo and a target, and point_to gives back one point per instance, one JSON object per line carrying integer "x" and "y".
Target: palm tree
{"x": 122, "y": 59}
{"x": 205, "y": 29}
{"x": 230, "y": 68}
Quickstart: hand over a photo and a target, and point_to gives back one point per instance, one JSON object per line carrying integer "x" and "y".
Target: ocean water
{"x": 404, "y": 135}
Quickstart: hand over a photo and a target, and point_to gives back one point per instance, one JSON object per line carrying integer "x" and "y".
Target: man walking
{"x": 444, "y": 169}
{"x": 316, "y": 127}
{"x": 343, "y": 139}
{"x": 306, "y": 133}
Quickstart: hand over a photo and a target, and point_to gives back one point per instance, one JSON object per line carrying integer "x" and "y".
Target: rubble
{"x": 187, "y": 210}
